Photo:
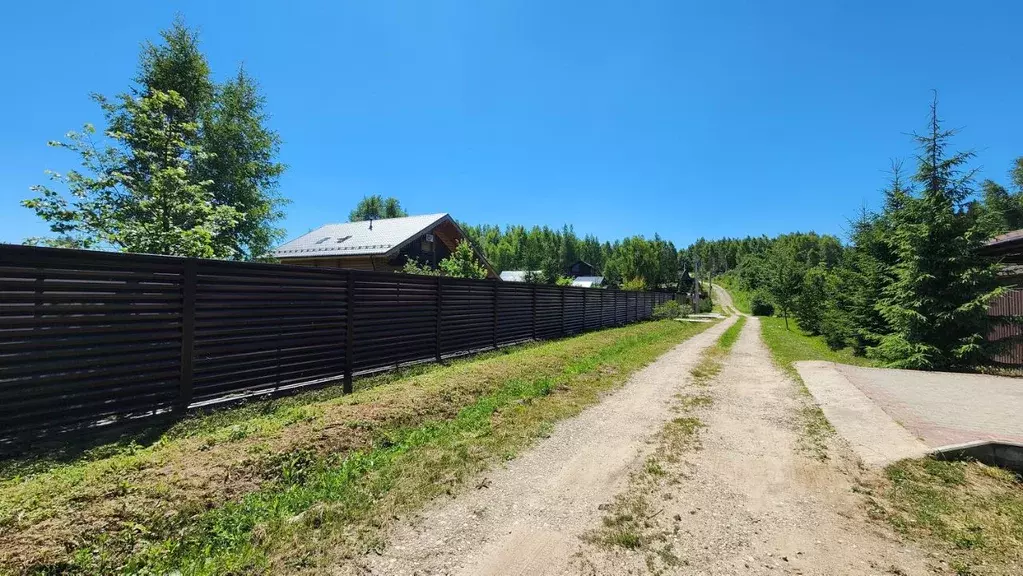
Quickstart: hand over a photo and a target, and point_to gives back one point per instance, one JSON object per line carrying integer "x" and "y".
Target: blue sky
{"x": 688, "y": 119}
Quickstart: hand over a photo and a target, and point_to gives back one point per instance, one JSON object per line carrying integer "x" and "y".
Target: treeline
{"x": 909, "y": 289}
{"x": 634, "y": 263}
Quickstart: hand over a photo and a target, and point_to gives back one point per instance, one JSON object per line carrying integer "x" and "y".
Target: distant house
{"x": 582, "y": 274}
{"x": 381, "y": 245}
{"x": 581, "y": 268}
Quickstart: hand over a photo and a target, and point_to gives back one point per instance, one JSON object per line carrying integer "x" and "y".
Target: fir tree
{"x": 936, "y": 304}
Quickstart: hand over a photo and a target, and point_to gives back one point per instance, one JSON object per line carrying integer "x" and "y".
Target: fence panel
{"x": 86, "y": 340}
{"x": 593, "y": 300}
{"x": 394, "y": 319}
{"x": 514, "y": 312}
{"x": 607, "y": 308}
{"x": 1011, "y": 304}
{"x": 548, "y": 312}
{"x": 467, "y": 315}
{"x": 259, "y": 327}
{"x": 92, "y": 338}
{"x": 574, "y": 302}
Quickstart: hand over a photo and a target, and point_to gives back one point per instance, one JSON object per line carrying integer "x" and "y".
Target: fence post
{"x": 534, "y": 311}
{"x": 189, "y": 281}
{"x": 495, "y": 281}
{"x": 436, "y": 337}
{"x": 563, "y": 330}
{"x": 349, "y": 333}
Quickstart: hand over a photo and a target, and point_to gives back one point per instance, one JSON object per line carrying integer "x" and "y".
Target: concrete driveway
{"x": 890, "y": 414}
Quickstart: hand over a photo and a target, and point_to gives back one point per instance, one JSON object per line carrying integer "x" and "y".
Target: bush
{"x": 760, "y": 305}
{"x": 706, "y": 305}
{"x": 667, "y": 310}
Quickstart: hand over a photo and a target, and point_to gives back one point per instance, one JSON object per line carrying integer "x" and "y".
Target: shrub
{"x": 667, "y": 310}
{"x": 760, "y": 304}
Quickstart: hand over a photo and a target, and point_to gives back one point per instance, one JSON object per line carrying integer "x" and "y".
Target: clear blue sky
{"x": 684, "y": 118}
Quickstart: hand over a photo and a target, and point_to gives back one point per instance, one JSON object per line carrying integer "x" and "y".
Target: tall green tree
{"x": 174, "y": 120}
{"x": 936, "y": 304}
{"x": 376, "y": 207}
{"x": 136, "y": 194}
{"x": 784, "y": 275}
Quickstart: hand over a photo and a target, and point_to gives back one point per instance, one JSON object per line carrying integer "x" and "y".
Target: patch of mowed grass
{"x": 423, "y": 436}
{"x": 792, "y": 345}
{"x": 971, "y": 512}
{"x": 729, "y": 336}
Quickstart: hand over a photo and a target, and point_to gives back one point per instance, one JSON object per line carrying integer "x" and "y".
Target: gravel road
{"x": 528, "y": 519}
{"x": 750, "y": 503}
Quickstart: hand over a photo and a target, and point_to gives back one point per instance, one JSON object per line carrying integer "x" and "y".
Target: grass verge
{"x": 297, "y": 485}
{"x": 971, "y": 512}
{"x": 635, "y": 521}
{"x": 792, "y": 345}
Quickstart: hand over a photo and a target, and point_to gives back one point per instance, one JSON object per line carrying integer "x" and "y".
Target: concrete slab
{"x": 945, "y": 408}
{"x": 874, "y": 435}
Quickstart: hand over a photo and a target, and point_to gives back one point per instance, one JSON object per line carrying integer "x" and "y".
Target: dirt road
{"x": 748, "y": 502}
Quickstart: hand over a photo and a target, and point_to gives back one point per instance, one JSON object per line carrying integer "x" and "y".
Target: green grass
{"x": 971, "y": 512}
{"x": 792, "y": 345}
{"x": 729, "y": 336}
{"x": 305, "y": 483}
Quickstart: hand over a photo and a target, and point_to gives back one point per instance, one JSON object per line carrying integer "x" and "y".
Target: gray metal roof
{"x": 587, "y": 281}
{"x": 358, "y": 238}
{"x": 516, "y": 275}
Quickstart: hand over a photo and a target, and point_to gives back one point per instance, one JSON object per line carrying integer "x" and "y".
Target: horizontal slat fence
{"x": 89, "y": 339}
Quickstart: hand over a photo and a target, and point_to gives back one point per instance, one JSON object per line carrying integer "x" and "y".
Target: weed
{"x": 971, "y": 512}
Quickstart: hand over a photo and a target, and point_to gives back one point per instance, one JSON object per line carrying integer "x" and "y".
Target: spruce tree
{"x": 936, "y": 303}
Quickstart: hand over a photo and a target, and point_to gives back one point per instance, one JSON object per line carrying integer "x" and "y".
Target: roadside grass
{"x": 790, "y": 346}
{"x": 301, "y": 483}
{"x": 632, "y": 521}
{"x": 971, "y": 512}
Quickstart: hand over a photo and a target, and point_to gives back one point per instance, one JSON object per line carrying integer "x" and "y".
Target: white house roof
{"x": 376, "y": 237}
{"x": 587, "y": 281}
{"x": 516, "y": 275}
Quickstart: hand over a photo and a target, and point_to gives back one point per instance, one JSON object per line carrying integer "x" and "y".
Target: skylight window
{"x": 343, "y": 238}
{"x": 322, "y": 240}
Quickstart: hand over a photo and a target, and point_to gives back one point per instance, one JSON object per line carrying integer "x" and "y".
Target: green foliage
{"x": 136, "y": 195}
{"x": 760, "y": 304}
{"x": 936, "y": 304}
{"x": 376, "y": 207}
{"x": 668, "y": 310}
{"x": 812, "y": 299}
{"x": 635, "y": 283}
{"x": 413, "y": 266}
{"x": 552, "y": 251}
{"x": 184, "y": 167}
{"x": 564, "y": 281}
{"x": 910, "y": 290}
{"x": 463, "y": 263}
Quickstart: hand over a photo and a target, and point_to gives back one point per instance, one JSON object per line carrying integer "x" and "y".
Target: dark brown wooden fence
{"x": 1009, "y": 305}
{"x": 93, "y": 338}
